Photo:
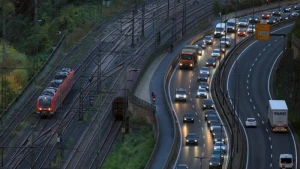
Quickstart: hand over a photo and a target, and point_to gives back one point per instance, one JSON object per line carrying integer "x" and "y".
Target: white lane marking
{"x": 196, "y": 113}
{"x": 192, "y": 74}
{"x": 275, "y": 40}
{"x": 270, "y": 138}
{"x": 203, "y": 145}
{"x": 247, "y": 87}
{"x": 202, "y": 128}
{"x": 259, "y": 54}
{"x": 258, "y": 114}
{"x": 250, "y": 70}
{"x": 250, "y": 100}
{"x": 248, "y": 93}
{"x": 263, "y": 122}
{"x": 202, "y": 154}
{"x": 248, "y": 75}
{"x": 269, "y": 45}
{"x": 271, "y": 146}
{"x": 190, "y": 87}
{"x": 190, "y": 80}
{"x": 253, "y": 107}
{"x": 252, "y": 64}
{"x": 199, "y": 121}
{"x": 271, "y": 155}
{"x": 203, "y": 137}
{"x": 193, "y": 106}
{"x": 247, "y": 81}
{"x": 267, "y": 130}
{"x": 191, "y": 99}
{"x": 271, "y": 165}
{"x": 255, "y": 60}
{"x": 264, "y": 49}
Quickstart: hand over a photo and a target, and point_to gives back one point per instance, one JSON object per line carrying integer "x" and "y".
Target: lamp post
{"x": 201, "y": 158}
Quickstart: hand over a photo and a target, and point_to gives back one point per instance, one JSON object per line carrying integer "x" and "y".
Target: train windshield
{"x": 45, "y": 102}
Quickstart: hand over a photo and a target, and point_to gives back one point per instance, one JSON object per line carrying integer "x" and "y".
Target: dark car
{"x": 212, "y": 119}
{"x": 201, "y": 93}
{"x": 286, "y": 9}
{"x": 188, "y": 117}
{"x": 215, "y": 163}
{"x": 297, "y": 7}
{"x": 223, "y": 48}
{"x": 272, "y": 20}
{"x": 214, "y": 124}
{"x": 266, "y": 15}
{"x": 219, "y": 137}
{"x": 218, "y": 153}
{"x": 217, "y": 130}
{"x": 203, "y": 77}
{"x": 208, "y": 113}
{"x": 191, "y": 138}
{"x": 294, "y": 14}
{"x": 202, "y": 44}
{"x": 180, "y": 94}
{"x": 285, "y": 16}
{"x": 208, "y": 104}
{"x": 182, "y": 166}
{"x": 242, "y": 32}
{"x": 204, "y": 85}
{"x": 211, "y": 62}
{"x": 277, "y": 13}
{"x": 208, "y": 40}
{"x": 254, "y": 19}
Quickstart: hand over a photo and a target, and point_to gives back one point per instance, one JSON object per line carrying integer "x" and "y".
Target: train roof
{"x": 49, "y": 91}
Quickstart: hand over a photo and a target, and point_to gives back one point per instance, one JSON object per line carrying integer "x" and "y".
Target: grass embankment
{"x": 135, "y": 150}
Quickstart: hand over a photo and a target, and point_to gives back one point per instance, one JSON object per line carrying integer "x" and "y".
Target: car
{"x": 188, "y": 117}
{"x": 204, "y": 70}
{"x": 191, "y": 138}
{"x": 277, "y": 12}
{"x": 208, "y": 40}
{"x": 219, "y": 137}
{"x": 218, "y": 153}
{"x": 216, "y": 53}
{"x": 212, "y": 119}
{"x": 208, "y": 113}
{"x": 182, "y": 166}
{"x": 216, "y": 130}
{"x": 272, "y": 20}
{"x": 208, "y": 104}
{"x": 201, "y": 93}
{"x": 285, "y": 16}
{"x": 202, "y": 77}
{"x": 242, "y": 32}
{"x": 266, "y": 15}
{"x": 294, "y": 14}
{"x": 244, "y": 22}
{"x": 250, "y": 122}
{"x": 297, "y": 7}
{"x": 215, "y": 162}
{"x": 226, "y": 40}
{"x": 180, "y": 94}
{"x": 251, "y": 29}
{"x": 223, "y": 48}
{"x": 211, "y": 62}
{"x": 253, "y": 19}
{"x": 202, "y": 44}
{"x": 204, "y": 85}
{"x": 219, "y": 145}
{"x": 213, "y": 124}
{"x": 286, "y": 8}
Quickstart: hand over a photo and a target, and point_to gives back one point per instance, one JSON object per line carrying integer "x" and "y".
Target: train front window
{"x": 45, "y": 102}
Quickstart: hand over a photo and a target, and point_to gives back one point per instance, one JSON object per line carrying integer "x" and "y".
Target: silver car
{"x": 216, "y": 53}
{"x": 201, "y": 92}
{"x": 219, "y": 145}
{"x": 204, "y": 70}
{"x": 251, "y": 29}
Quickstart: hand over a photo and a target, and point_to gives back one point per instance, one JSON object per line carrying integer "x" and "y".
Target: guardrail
{"x": 296, "y": 41}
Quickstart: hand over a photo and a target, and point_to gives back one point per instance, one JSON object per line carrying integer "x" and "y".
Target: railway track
{"x": 41, "y": 130}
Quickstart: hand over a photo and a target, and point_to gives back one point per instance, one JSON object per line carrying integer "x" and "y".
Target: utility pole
{"x": 201, "y": 158}
{"x": 143, "y": 20}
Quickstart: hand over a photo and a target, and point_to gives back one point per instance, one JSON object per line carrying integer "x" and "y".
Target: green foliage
{"x": 134, "y": 152}
{"x": 217, "y": 7}
{"x": 296, "y": 28}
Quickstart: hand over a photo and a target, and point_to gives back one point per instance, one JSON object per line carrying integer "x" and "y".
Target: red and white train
{"x": 56, "y": 91}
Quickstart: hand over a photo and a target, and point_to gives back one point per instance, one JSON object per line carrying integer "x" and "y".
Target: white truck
{"x": 286, "y": 161}
{"x": 278, "y": 115}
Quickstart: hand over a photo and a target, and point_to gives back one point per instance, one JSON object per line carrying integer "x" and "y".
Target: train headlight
{"x": 40, "y": 108}
{"x": 49, "y": 109}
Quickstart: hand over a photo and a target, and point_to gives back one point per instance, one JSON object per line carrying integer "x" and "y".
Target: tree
{"x": 217, "y": 7}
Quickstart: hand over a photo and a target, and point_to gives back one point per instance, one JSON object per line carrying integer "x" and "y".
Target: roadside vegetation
{"x": 135, "y": 150}
{"x": 287, "y": 81}
{"x": 28, "y": 41}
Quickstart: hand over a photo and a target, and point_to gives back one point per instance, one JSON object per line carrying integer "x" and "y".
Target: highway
{"x": 249, "y": 82}
{"x": 188, "y": 79}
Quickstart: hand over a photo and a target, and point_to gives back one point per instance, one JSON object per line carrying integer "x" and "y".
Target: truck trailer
{"x": 278, "y": 115}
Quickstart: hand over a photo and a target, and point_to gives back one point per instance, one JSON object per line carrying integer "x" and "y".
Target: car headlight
{"x": 206, "y": 78}
{"x": 49, "y": 109}
{"x": 212, "y": 105}
{"x": 216, "y": 140}
{"x": 204, "y": 105}
{"x": 184, "y": 96}
{"x": 222, "y": 139}
{"x": 206, "y": 62}
{"x": 205, "y": 93}
{"x": 184, "y": 118}
{"x": 214, "y": 133}
{"x": 187, "y": 140}
{"x": 177, "y": 95}
{"x": 215, "y": 148}
{"x": 214, "y": 63}
{"x": 196, "y": 140}
{"x": 215, "y": 32}
{"x": 210, "y": 163}
{"x": 222, "y": 33}
{"x": 180, "y": 64}
{"x": 198, "y": 93}
{"x": 191, "y": 65}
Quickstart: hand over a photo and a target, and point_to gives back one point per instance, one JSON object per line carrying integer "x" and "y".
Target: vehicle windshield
{"x": 216, "y": 51}
{"x": 219, "y": 144}
{"x": 191, "y": 136}
{"x": 286, "y": 160}
{"x": 180, "y": 92}
{"x": 243, "y": 20}
{"x": 230, "y": 23}
{"x": 201, "y": 90}
{"x": 186, "y": 57}
{"x": 207, "y": 38}
{"x": 251, "y": 120}
{"x": 45, "y": 102}
{"x": 219, "y": 29}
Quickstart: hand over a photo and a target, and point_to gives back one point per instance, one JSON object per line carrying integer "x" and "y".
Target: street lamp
{"x": 201, "y": 158}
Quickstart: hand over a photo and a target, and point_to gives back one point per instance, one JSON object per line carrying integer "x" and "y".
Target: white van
{"x": 220, "y": 30}
{"x": 231, "y": 24}
{"x": 286, "y": 161}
